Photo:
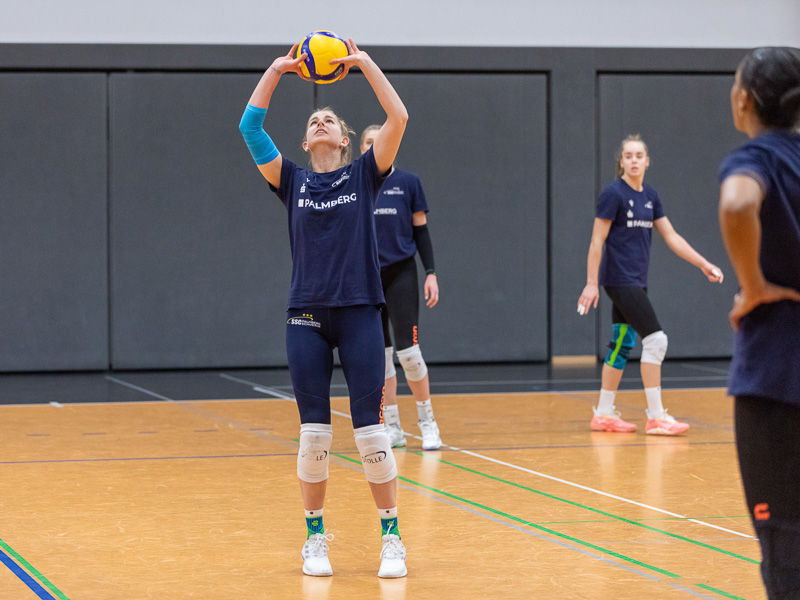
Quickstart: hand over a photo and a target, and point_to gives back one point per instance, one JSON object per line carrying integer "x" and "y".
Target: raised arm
{"x": 387, "y": 140}
{"x": 682, "y": 248}
{"x": 262, "y": 148}
{"x": 591, "y": 293}
{"x": 739, "y": 204}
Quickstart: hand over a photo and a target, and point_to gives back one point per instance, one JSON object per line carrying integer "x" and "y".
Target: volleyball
{"x": 320, "y": 48}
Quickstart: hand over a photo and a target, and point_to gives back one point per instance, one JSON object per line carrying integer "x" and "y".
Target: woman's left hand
{"x": 431, "y": 289}
{"x": 713, "y": 272}
{"x": 356, "y": 58}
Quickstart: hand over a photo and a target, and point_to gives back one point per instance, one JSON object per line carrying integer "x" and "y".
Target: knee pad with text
{"x": 376, "y": 453}
{"x": 312, "y": 458}
{"x": 413, "y": 364}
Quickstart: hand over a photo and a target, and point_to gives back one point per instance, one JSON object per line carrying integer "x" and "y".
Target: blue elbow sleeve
{"x": 261, "y": 147}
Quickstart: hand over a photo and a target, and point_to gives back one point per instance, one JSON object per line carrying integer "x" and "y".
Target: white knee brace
{"x": 654, "y": 348}
{"x": 413, "y": 364}
{"x": 376, "y": 453}
{"x": 312, "y": 458}
{"x": 390, "y": 370}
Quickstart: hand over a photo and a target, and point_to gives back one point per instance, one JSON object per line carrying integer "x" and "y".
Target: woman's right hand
{"x": 589, "y": 298}
{"x": 290, "y": 64}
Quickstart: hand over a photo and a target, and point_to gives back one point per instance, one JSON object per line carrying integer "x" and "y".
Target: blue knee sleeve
{"x": 622, "y": 340}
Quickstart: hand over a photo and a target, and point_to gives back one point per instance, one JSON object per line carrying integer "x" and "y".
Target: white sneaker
{"x": 430, "y": 435}
{"x": 397, "y": 437}
{"x": 393, "y": 557}
{"x": 315, "y": 555}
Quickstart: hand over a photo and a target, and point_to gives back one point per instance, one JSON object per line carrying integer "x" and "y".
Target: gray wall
{"x": 174, "y": 253}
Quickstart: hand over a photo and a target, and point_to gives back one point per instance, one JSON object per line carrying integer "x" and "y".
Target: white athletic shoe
{"x": 315, "y": 555}
{"x": 393, "y": 557}
{"x": 430, "y": 435}
{"x": 397, "y": 437}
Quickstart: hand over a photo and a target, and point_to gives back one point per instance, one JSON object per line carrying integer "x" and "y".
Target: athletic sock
{"x": 605, "y": 405}
{"x": 391, "y": 414}
{"x": 314, "y": 522}
{"x": 653, "y": 396}
{"x": 425, "y": 410}
{"x": 389, "y": 521}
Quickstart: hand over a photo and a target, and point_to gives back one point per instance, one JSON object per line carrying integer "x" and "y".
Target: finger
{"x": 595, "y": 301}
{"x": 581, "y": 309}
{"x": 352, "y": 46}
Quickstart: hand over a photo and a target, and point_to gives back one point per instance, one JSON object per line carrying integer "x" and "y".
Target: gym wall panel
{"x": 53, "y": 224}
{"x": 687, "y": 138}
{"x": 200, "y": 253}
{"x": 479, "y": 145}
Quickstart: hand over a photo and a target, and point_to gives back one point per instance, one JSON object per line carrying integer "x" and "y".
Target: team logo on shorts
{"x": 305, "y": 319}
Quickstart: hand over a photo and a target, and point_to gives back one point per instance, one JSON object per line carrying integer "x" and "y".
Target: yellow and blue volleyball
{"x": 320, "y": 48}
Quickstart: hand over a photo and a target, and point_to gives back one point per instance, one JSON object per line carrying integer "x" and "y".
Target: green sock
{"x": 314, "y": 522}
{"x": 389, "y": 521}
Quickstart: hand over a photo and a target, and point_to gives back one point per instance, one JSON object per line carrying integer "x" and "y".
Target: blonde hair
{"x": 367, "y": 130}
{"x": 347, "y": 149}
{"x": 634, "y": 137}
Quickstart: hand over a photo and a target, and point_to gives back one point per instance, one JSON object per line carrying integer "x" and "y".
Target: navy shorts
{"x": 311, "y": 336}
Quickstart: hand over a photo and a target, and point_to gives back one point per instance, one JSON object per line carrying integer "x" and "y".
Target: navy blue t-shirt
{"x": 632, "y": 214}
{"x": 332, "y": 234}
{"x": 766, "y": 358}
{"x": 400, "y": 197}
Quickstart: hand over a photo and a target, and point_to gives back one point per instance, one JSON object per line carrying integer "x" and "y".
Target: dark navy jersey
{"x": 627, "y": 252}
{"x": 400, "y": 197}
{"x": 766, "y": 359}
{"x": 332, "y": 234}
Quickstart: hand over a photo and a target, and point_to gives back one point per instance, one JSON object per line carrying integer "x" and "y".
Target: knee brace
{"x": 413, "y": 364}
{"x": 376, "y": 453}
{"x": 390, "y": 370}
{"x": 654, "y": 348}
{"x": 623, "y": 338}
{"x": 312, "y": 458}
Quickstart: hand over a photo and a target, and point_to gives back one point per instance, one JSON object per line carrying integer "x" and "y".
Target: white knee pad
{"x": 376, "y": 453}
{"x": 312, "y": 458}
{"x": 413, "y": 364}
{"x": 654, "y": 348}
{"x": 390, "y": 370}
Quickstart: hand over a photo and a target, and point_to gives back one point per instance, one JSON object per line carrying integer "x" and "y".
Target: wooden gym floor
{"x": 133, "y": 486}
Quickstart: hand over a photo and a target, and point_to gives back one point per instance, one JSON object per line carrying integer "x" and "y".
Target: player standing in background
{"x": 759, "y": 214}
{"x": 401, "y": 225}
{"x": 627, "y": 210}
{"x": 335, "y": 295}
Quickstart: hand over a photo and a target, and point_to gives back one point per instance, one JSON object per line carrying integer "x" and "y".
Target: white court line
{"x": 551, "y": 477}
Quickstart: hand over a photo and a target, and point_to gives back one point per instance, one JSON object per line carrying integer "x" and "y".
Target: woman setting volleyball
{"x": 627, "y": 210}
{"x": 402, "y": 225}
{"x": 336, "y": 296}
{"x": 759, "y": 214}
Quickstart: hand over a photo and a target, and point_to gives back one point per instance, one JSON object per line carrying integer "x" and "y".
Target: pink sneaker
{"x": 611, "y": 422}
{"x": 664, "y": 424}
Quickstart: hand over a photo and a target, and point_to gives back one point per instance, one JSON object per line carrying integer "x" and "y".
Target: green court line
{"x": 550, "y": 531}
{"x": 589, "y": 508}
{"x": 528, "y": 523}
{"x": 32, "y": 571}
{"x": 720, "y": 592}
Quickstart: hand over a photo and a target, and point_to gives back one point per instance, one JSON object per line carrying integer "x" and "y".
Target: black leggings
{"x": 401, "y": 289}
{"x": 632, "y": 306}
{"x": 768, "y": 443}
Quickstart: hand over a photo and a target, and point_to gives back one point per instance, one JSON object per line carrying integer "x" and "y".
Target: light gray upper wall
{"x": 576, "y": 23}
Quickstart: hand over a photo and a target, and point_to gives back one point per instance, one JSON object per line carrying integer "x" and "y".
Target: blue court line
{"x": 24, "y": 577}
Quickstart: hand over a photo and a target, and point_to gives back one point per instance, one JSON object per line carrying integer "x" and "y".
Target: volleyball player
{"x": 336, "y": 293}
{"x": 401, "y": 224}
{"x": 760, "y": 220}
{"x": 627, "y": 211}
